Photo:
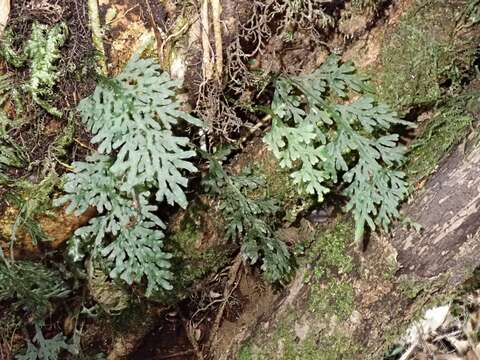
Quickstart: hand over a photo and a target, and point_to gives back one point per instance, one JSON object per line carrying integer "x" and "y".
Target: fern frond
{"x": 31, "y": 286}
{"x": 132, "y": 118}
{"x": 137, "y": 111}
{"x": 248, "y": 219}
{"x": 320, "y": 138}
{"x": 45, "y": 349}
{"x": 43, "y": 49}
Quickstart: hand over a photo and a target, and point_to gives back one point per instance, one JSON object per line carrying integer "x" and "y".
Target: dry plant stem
{"x": 205, "y": 28}
{"x": 176, "y": 355}
{"x": 227, "y": 292}
{"x": 191, "y": 336}
{"x": 164, "y": 48}
{"x": 158, "y": 36}
{"x": 252, "y": 130}
{"x": 217, "y": 30}
{"x": 4, "y": 12}
{"x": 84, "y": 145}
{"x": 97, "y": 36}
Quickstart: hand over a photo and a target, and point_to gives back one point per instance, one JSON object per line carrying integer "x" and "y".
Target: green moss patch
{"x": 426, "y": 49}
{"x": 444, "y": 130}
{"x": 329, "y": 251}
{"x": 337, "y": 297}
{"x": 284, "y": 344}
{"x": 279, "y": 186}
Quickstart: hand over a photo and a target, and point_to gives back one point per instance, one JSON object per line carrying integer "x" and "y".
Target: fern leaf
{"x": 137, "y": 112}
{"x": 318, "y": 137}
{"x": 132, "y": 118}
{"x": 248, "y": 219}
{"x": 138, "y": 253}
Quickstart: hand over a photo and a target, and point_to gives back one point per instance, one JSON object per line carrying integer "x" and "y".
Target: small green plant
{"x": 247, "y": 217}
{"x": 323, "y": 139}
{"x": 43, "y": 50}
{"x": 131, "y": 117}
{"x": 45, "y": 349}
{"x": 30, "y": 286}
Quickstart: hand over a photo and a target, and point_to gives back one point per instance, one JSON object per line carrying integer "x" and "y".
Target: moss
{"x": 390, "y": 268}
{"x": 421, "y": 54}
{"x": 444, "y": 130}
{"x": 337, "y": 297}
{"x": 330, "y": 249}
{"x": 412, "y": 287}
{"x": 316, "y": 346}
{"x": 279, "y": 186}
{"x": 192, "y": 260}
{"x": 245, "y": 352}
{"x": 329, "y": 258}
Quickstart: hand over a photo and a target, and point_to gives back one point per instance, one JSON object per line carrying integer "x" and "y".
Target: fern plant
{"x": 324, "y": 140}
{"x": 132, "y": 118}
{"x": 247, "y": 217}
{"x": 43, "y": 50}
{"x": 31, "y": 286}
{"x": 45, "y": 349}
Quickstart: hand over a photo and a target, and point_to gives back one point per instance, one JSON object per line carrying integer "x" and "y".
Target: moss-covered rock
{"x": 315, "y": 327}
{"x": 291, "y": 342}
{"x": 447, "y": 126}
{"x": 279, "y": 185}
{"x": 198, "y": 248}
{"x": 428, "y": 51}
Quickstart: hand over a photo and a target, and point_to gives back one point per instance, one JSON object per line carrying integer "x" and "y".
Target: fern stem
{"x": 97, "y": 36}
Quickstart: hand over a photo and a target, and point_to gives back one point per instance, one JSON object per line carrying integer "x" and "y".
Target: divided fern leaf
{"x": 322, "y": 138}
{"x": 247, "y": 218}
{"x": 132, "y": 118}
{"x": 137, "y": 111}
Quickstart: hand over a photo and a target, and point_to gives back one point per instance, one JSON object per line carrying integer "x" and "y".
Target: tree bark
{"x": 448, "y": 211}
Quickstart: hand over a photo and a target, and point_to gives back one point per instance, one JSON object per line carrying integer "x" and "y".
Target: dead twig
{"x": 191, "y": 336}
{"x": 84, "y": 145}
{"x": 205, "y": 28}
{"x": 252, "y": 130}
{"x": 227, "y": 292}
{"x": 97, "y": 36}
{"x": 177, "y": 354}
